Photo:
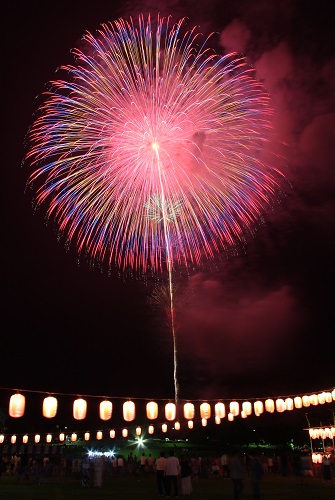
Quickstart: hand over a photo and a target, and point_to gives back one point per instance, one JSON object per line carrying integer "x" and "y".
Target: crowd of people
{"x": 176, "y": 471}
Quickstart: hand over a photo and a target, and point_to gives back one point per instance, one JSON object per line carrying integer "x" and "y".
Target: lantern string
{"x": 127, "y": 398}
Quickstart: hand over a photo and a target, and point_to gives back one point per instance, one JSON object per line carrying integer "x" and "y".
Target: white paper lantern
{"x": 220, "y": 410}
{"x": 152, "y": 410}
{"x": 170, "y": 411}
{"x": 247, "y": 408}
{"x": 289, "y": 404}
{"x": 124, "y": 433}
{"x": 269, "y": 405}
{"x": 205, "y": 411}
{"x": 280, "y": 405}
{"x": 258, "y": 408}
{"x": 49, "y": 407}
{"x": 298, "y": 402}
{"x": 112, "y": 434}
{"x": 129, "y": 411}
{"x": 79, "y": 409}
{"x": 189, "y": 411}
{"x": 17, "y": 405}
{"x": 105, "y": 410}
{"x": 234, "y": 408}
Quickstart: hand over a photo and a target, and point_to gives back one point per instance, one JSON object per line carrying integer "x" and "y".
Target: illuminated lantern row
{"x": 322, "y": 433}
{"x": 49, "y": 410}
{"x": 315, "y": 433}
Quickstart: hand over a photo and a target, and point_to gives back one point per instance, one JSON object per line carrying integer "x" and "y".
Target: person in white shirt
{"x": 160, "y": 466}
{"x": 172, "y": 472}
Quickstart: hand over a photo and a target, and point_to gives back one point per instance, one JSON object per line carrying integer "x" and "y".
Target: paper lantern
{"x": 138, "y": 431}
{"x": 124, "y": 433}
{"x": 333, "y": 394}
{"x": 189, "y": 411}
{"x": 25, "y": 439}
{"x": 289, "y": 404}
{"x": 177, "y": 426}
{"x": 49, "y": 438}
{"x": 258, "y": 408}
{"x": 322, "y": 398}
{"x": 190, "y": 424}
{"x": 313, "y": 399}
{"x": 2, "y": 438}
{"x": 328, "y": 397}
{"x": 230, "y": 417}
{"x": 129, "y": 411}
{"x": 61, "y": 436}
{"x": 73, "y": 437}
{"x": 37, "y": 438}
{"x": 170, "y": 411}
{"x": 164, "y": 428}
{"x": 204, "y": 422}
{"x": 243, "y": 414}
{"x": 99, "y": 435}
{"x": 217, "y": 420}
{"x": 112, "y": 434}
{"x": 17, "y": 405}
{"x": 220, "y": 410}
{"x": 87, "y": 436}
{"x": 105, "y": 410}
{"x": 13, "y": 439}
{"x": 305, "y": 401}
{"x": 247, "y": 408}
{"x": 79, "y": 409}
{"x": 280, "y": 405}
{"x": 298, "y": 402}
{"x": 49, "y": 407}
{"x": 205, "y": 411}
{"x": 152, "y": 410}
{"x": 234, "y": 408}
{"x": 269, "y": 405}
{"x": 333, "y": 432}
{"x": 151, "y": 429}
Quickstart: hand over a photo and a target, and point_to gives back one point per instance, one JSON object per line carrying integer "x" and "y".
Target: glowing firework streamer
{"x": 149, "y": 153}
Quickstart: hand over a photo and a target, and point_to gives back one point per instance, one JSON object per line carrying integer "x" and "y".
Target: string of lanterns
{"x": 220, "y": 410}
{"x": 17, "y": 405}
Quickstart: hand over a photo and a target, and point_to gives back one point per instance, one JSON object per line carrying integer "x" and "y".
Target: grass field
{"x": 131, "y": 487}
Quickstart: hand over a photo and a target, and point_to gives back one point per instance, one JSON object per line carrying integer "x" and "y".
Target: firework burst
{"x": 149, "y": 154}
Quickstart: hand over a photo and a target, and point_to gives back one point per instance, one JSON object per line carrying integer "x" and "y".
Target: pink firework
{"x": 149, "y": 154}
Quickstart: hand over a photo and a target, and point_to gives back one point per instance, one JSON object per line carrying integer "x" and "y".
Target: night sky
{"x": 255, "y": 324}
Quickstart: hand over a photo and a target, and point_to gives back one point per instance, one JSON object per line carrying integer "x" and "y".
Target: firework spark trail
{"x": 149, "y": 154}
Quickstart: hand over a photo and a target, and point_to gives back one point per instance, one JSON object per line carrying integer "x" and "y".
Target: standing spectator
{"x": 236, "y": 474}
{"x": 224, "y": 465}
{"x": 85, "y": 473}
{"x": 160, "y": 465}
{"x": 98, "y": 467}
{"x": 326, "y": 468}
{"x": 186, "y": 475}
{"x": 172, "y": 473}
{"x": 256, "y": 474}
